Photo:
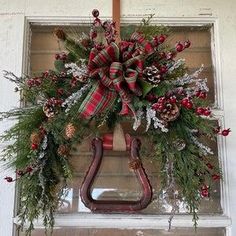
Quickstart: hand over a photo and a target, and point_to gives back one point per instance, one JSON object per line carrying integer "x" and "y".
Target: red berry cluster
{"x": 164, "y": 103}
{"x": 215, "y": 177}
{"x": 201, "y": 94}
{"x": 179, "y": 47}
{"x": 61, "y": 56}
{"x": 108, "y": 27}
{"x": 34, "y": 82}
{"x": 157, "y": 40}
{"x": 205, "y": 191}
{"x": 28, "y": 169}
{"x": 54, "y": 102}
{"x": 187, "y": 103}
{"x": 203, "y": 111}
{"x": 19, "y": 174}
{"x": 224, "y": 132}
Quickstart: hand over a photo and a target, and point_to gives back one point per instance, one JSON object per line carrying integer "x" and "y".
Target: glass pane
{"x": 45, "y": 45}
{"x": 125, "y": 232}
{"x": 115, "y": 181}
{"x": 199, "y": 53}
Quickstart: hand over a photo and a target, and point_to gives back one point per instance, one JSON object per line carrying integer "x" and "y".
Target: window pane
{"x": 122, "y": 232}
{"x": 115, "y": 180}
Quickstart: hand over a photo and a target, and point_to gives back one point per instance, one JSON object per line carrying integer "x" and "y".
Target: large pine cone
{"x": 152, "y": 74}
{"x": 170, "y": 112}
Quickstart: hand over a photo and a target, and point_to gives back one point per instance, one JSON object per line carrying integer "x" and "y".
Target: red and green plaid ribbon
{"x": 113, "y": 77}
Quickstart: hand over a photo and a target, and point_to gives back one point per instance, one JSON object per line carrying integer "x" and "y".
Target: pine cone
{"x": 70, "y": 130}
{"x": 85, "y": 42}
{"x": 35, "y": 138}
{"x": 60, "y": 34}
{"x": 49, "y": 111}
{"x": 170, "y": 112}
{"x": 135, "y": 164}
{"x": 152, "y": 74}
{"x": 179, "y": 144}
{"x": 63, "y": 150}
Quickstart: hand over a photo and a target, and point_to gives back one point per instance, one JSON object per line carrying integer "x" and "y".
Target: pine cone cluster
{"x": 152, "y": 74}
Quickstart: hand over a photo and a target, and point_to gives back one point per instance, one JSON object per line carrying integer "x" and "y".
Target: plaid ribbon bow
{"x": 113, "y": 77}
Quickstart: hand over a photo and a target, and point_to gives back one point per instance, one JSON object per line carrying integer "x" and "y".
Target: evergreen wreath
{"x": 93, "y": 84}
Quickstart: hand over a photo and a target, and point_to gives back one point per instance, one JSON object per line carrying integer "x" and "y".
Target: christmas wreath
{"x": 102, "y": 83}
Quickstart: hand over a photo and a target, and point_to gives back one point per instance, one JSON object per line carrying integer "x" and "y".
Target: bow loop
{"x": 115, "y": 77}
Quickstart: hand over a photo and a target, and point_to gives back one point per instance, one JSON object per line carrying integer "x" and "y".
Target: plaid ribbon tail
{"x": 99, "y": 99}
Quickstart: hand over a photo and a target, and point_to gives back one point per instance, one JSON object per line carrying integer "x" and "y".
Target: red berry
{"x": 203, "y": 95}
{"x": 34, "y": 146}
{"x": 155, "y": 106}
{"x": 187, "y": 44}
{"x": 216, "y": 177}
{"x": 29, "y": 169}
{"x": 93, "y": 34}
{"x": 155, "y": 41}
{"x": 189, "y": 105}
{"x": 200, "y": 111}
{"x": 163, "y": 69}
{"x": 95, "y": 13}
{"x": 206, "y": 112}
{"x": 37, "y": 81}
{"x": 205, "y": 193}
{"x": 198, "y": 93}
{"x": 209, "y": 165}
{"x": 185, "y": 101}
{"x": 57, "y": 56}
{"x": 158, "y": 106}
{"x": 63, "y": 56}
{"x": 173, "y": 100}
{"x": 162, "y": 38}
{"x": 179, "y": 47}
{"x": 161, "y": 100}
{"x": 8, "y": 179}
{"x": 225, "y": 132}
{"x": 30, "y": 82}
